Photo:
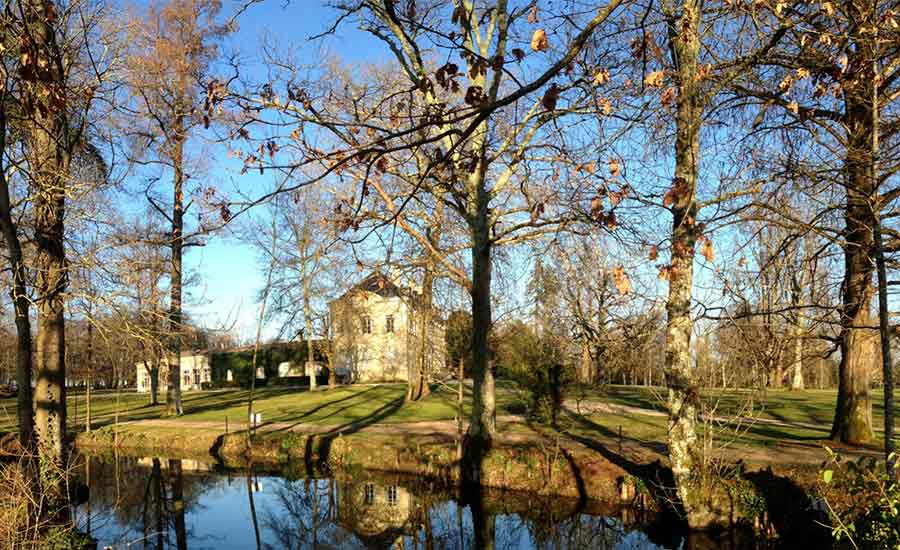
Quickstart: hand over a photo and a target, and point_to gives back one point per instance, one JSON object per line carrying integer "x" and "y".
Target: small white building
{"x": 195, "y": 370}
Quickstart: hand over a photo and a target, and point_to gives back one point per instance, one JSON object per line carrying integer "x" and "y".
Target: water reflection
{"x": 162, "y": 504}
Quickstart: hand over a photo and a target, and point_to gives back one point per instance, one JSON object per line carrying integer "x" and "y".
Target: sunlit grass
{"x": 808, "y": 414}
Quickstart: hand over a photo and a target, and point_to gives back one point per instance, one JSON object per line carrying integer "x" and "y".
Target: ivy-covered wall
{"x": 270, "y": 356}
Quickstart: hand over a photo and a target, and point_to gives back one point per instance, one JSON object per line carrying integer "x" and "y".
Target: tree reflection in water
{"x": 164, "y": 504}
{"x": 145, "y": 499}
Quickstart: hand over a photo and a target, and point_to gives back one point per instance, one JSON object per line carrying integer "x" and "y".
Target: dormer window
{"x": 389, "y": 324}
{"x": 366, "y": 325}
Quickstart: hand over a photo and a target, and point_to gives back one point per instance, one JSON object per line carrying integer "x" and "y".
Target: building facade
{"x": 195, "y": 370}
{"x": 378, "y": 332}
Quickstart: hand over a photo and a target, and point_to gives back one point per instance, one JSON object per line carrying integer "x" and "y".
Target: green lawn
{"x": 808, "y": 406}
{"x": 343, "y": 405}
{"x": 362, "y": 405}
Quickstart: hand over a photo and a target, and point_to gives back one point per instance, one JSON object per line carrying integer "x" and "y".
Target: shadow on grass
{"x": 327, "y": 439}
{"x": 349, "y": 402}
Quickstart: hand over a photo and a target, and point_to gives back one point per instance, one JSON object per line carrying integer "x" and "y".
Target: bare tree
{"x": 173, "y": 47}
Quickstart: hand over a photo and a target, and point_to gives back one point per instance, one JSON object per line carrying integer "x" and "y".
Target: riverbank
{"x": 603, "y": 448}
{"x": 522, "y": 461}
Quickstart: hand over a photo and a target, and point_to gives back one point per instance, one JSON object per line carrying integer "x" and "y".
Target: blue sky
{"x": 228, "y": 269}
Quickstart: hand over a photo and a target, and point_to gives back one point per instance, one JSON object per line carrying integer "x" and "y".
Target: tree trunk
{"x": 90, "y": 370}
{"x": 417, "y": 385}
{"x": 48, "y": 136}
{"x": 482, "y": 425}
{"x": 154, "y": 381}
{"x": 797, "y": 378}
{"x": 684, "y": 23}
{"x": 173, "y": 390}
{"x": 777, "y": 380}
{"x": 307, "y": 318}
{"x": 853, "y": 414}
{"x": 584, "y": 373}
{"x": 21, "y": 305}
{"x": 332, "y": 376}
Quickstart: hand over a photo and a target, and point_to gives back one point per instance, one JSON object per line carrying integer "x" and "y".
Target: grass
{"x": 808, "y": 406}
{"x": 384, "y": 404}
{"x": 341, "y": 406}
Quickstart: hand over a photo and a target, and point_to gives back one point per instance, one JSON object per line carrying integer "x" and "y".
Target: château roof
{"x": 381, "y": 285}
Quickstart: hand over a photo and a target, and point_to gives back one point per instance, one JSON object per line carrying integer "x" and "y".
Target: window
{"x": 392, "y": 495}
{"x": 197, "y": 377}
{"x": 366, "y": 325}
{"x": 389, "y": 324}
{"x": 369, "y": 495}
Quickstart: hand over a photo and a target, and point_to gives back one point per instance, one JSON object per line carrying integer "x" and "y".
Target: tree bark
{"x": 307, "y": 317}
{"x": 153, "y": 371}
{"x": 21, "y": 305}
{"x": 173, "y": 391}
{"x": 90, "y": 371}
{"x": 483, "y": 406}
{"x": 853, "y": 413}
{"x": 417, "y": 385}
{"x": 48, "y": 139}
{"x": 482, "y": 425}
{"x": 797, "y": 378}
{"x": 683, "y": 397}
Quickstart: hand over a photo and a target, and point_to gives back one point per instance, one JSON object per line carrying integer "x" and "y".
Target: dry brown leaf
{"x": 621, "y": 280}
{"x": 654, "y": 253}
{"x": 610, "y": 221}
{"x": 655, "y": 79}
{"x": 667, "y": 96}
{"x": 706, "y": 249}
{"x": 551, "y": 96}
{"x": 665, "y": 272}
{"x": 601, "y": 77}
{"x": 615, "y": 197}
{"x": 539, "y": 42}
{"x": 614, "y": 167}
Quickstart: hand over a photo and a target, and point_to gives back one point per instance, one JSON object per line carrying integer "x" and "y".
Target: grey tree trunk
{"x": 417, "y": 385}
{"x": 797, "y": 367}
{"x": 21, "y": 304}
{"x": 173, "y": 390}
{"x": 482, "y": 424}
{"x": 153, "y": 371}
{"x": 683, "y": 398}
{"x": 853, "y": 413}
{"x": 307, "y": 317}
{"x": 48, "y": 137}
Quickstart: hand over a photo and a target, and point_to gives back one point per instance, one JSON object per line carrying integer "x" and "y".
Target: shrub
{"x": 870, "y": 517}
{"x": 534, "y": 363}
{"x": 22, "y": 527}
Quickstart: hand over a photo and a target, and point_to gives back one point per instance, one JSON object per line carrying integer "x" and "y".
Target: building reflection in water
{"x": 163, "y": 504}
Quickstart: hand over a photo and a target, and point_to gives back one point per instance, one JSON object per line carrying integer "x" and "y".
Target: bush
{"x": 22, "y": 525}
{"x": 871, "y": 516}
{"x": 534, "y": 363}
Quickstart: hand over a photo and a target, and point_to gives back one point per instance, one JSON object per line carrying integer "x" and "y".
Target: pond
{"x": 160, "y": 503}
